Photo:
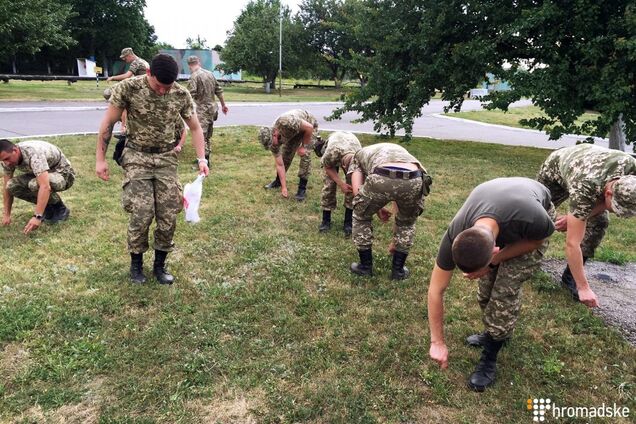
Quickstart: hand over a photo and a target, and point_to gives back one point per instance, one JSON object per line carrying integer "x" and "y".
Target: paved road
{"x": 32, "y": 119}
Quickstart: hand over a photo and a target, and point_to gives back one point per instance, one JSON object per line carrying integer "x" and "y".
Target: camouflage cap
{"x": 107, "y": 94}
{"x": 624, "y": 198}
{"x": 193, "y": 59}
{"x": 125, "y": 52}
{"x": 265, "y": 137}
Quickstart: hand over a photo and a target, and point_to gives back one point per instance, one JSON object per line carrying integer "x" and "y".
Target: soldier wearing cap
{"x": 150, "y": 188}
{"x": 137, "y": 67}
{"x": 45, "y": 171}
{"x": 382, "y": 173}
{"x": 596, "y": 181}
{"x": 336, "y": 153}
{"x": 203, "y": 87}
{"x": 293, "y": 132}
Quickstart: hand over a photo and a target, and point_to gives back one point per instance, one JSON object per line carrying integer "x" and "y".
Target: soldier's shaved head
{"x": 6, "y": 146}
{"x": 164, "y": 68}
{"x": 473, "y": 249}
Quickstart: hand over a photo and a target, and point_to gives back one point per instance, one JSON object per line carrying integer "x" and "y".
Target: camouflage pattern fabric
{"x": 328, "y": 200}
{"x": 25, "y": 186}
{"x": 499, "y": 291}
{"x": 288, "y": 125}
{"x": 288, "y": 153}
{"x": 376, "y": 192}
{"x": 138, "y": 67}
{"x": 151, "y": 190}
{"x": 581, "y": 172}
{"x": 37, "y": 157}
{"x": 339, "y": 144}
{"x": 178, "y": 129}
{"x": 370, "y": 157}
{"x": 624, "y": 196}
{"x": 203, "y": 86}
{"x": 151, "y": 117}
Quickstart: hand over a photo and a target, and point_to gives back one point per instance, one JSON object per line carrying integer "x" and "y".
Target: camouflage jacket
{"x": 288, "y": 125}
{"x": 138, "y": 67}
{"x": 203, "y": 86}
{"x": 38, "y": 157}
{"x": 339, "y": 144}
{"x": 370, "y": 157}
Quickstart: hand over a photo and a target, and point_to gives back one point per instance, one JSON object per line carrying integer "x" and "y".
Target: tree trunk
{"x": 15, "y": 69}
{"x": 48, "y": 67}
{"x": 617, "y": 136}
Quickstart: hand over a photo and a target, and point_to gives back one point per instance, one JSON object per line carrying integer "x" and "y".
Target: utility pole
{"x": 280, "y": 49}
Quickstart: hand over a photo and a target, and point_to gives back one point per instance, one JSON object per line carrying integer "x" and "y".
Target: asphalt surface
{"x": 39, "y": 119}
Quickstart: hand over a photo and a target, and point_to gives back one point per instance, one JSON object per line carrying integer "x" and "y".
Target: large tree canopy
{"x": 253, "y": 44}
{"x": 567, "y": 56}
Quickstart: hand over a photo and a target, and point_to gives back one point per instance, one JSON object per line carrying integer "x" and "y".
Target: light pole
{"x": 280, "y": 49}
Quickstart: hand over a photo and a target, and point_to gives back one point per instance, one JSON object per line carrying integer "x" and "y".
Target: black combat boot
{"x": 302, "y": 187}
{"x": 477, "y": 340}
{"x": 273, "y": 184}
{"x": 48, "y": 213}
{"x": 60, "y": 212}
{"x": 325, "y": 225}
{"x": 137, "y": 268}
{"x": 486, "y": 369}
{"x": 365, "y": 266}
{"x": 567, "y": 281}
{"x": 348, "y": 222}
{"x": 159, "y": 268}
{"x": 398, "y": 270}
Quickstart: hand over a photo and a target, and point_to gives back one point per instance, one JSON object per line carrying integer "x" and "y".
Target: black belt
{"x": 148, "y": 149}
{"x": 402, "y": 175}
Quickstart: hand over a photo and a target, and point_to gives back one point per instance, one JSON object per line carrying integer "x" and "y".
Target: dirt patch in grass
{"x": 234, "y": 410}
{"x": 14, "y": 359}
{"x": 615, "y": 286}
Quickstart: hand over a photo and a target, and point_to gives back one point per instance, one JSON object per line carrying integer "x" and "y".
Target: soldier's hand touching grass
{"x": 283, "y": 192}
{"x": 588, "y": 298}
{"x": 439, "y": 353}
{"x": 33, "y": 224}
{"x": 6, "y": 220}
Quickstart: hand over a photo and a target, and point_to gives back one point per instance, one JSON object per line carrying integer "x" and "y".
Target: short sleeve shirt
{"x": 138, "y": 67}
{"x": 339, "y": 144}
{"x": 203, "y": 86}
{"x": 151, "y": 117}
{"x": 38, "y": 157}
{"x": 289, "y": 127}
{"x": 519, "y": 205}
{"x": 371, "y": 157}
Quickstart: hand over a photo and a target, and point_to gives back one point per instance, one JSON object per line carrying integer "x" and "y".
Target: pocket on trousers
{"x": 126, "y": 196}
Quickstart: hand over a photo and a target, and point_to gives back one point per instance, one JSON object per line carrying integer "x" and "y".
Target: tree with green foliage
{"x": 197, "y": 43}
{"x": 253, "y": 43}
{"x": 567, "y": 57}
{"x": 26, "y": 27}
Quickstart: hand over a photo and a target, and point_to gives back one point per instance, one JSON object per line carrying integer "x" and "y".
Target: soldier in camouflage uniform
{"x": 203, "y": 87}
{"x": 382, "y": 173}
{"x": 150, "y": 187}
{"x": 499, "y": 237}
{"x": 292, "y": 132}
{"x": 45, "y": 172}
{"x": 596, "y": 181}
{"x": 137, "y": 67}
{"x": 338, "y": 152}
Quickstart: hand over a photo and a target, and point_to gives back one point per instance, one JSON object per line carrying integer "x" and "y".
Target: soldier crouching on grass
{"x": 336, "y": 153}
{"x": 499, "y": 236}
{"x": 45, "y": 172}
{"x": 292, "y": 132}
{"x": 382, "y": 173}
{"x": 151, "y": 188}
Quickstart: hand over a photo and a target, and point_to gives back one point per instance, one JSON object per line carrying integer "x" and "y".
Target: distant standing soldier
{"x": 382, "y": 173}
{"x": 45, "y": 172}
{"x": 151, "y": 188}
{"x": 137, "y": 67}
{"x": 338, "y": 152}
{"x": 499, "y": 237}
{"x": 203, "y": 87}
{"x": 293, "y": 132}
{"x": 596, "y": 181}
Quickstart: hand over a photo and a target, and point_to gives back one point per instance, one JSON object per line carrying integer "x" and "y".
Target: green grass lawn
{"x": 512, "y": 117}
{"x": 88, "y": 90}
{"x": 265, "y": 321}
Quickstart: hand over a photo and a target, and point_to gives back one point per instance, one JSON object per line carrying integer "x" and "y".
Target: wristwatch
{"x": 38, "y": 216}
{"x": 202, "y": 160}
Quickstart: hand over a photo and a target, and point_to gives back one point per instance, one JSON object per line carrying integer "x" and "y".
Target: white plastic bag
{"x": 192, "y": 199}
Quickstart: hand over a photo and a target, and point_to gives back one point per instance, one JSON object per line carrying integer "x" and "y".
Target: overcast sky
{"x": 174, "y": 21}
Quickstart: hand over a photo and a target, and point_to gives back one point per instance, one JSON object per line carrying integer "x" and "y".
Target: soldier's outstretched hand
{"x": 588, "y": 298}
{"x": 439, "y": 353}
{"x": 101, "y": 169}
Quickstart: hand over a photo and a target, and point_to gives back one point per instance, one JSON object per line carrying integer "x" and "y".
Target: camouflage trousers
{"x": 499, "y": 292}
{"x": 151, "y": 190}
{"x": 595, "y": 227}
{"x": 328, "y": 200}
{"x": 25, "y": 186}
{"x": 288, "y": 151}
{"x": 207, "y": 126}
{"x": 376, "y": 192}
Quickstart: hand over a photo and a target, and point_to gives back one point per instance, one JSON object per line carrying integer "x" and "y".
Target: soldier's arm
{"x": 112, "y": 115}
{"x": 224, "y": 107}
{"x": 440, "y": 279}
{"x": 282, "y": 175}
{"x": 516, "y": 249}
{"x": 197, "y": 142}
{"x": 574, "y": 237}
{"x": 307, "y": 129}
{"x": 120, "y": 77}
{"x": 333, "y": 174}
{"x": 44, "y": 192}
{"x": 357, "y": 179}
{"x": 7, "y": 201}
